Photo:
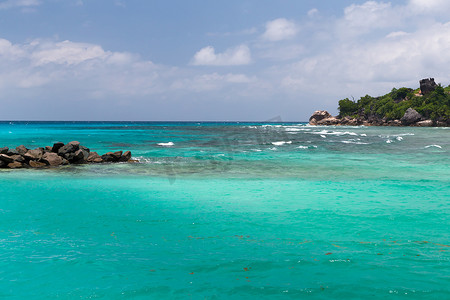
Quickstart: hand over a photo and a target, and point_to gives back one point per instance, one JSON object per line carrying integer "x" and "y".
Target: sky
{"x": 202, "y": 60}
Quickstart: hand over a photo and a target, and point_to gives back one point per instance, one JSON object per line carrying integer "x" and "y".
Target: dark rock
{"x": 48, "y": 149}
{"x": 319, "y": 115}
{"x": 52, "y": 159}
{"x": 79, "y": 157}
{"x": 18, "y": 158}
{"x": 4, "y": 150}
{"x": 71, "y": 147}
{"x": 411, "y": 116}
{"x": 12, "y": 152}
{"x": 35, "y": 154}
{"x": 15, "y": 165}
{"x": 125, "y": 157}
{"x": 2, "y": 164}
{"x": 109, "y": 157}
{"x": 57, "y": 146}
{"x": 6, "y": 159}
{"x": 85, "y": 148}
{"x": 94, "y": 158}
{"x": 36, "y": 164}
{"x": 21, "y": 149}
{"x": 427, "y": 85}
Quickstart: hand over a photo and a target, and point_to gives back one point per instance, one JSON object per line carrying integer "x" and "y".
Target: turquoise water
{"x": 229, "y": 211}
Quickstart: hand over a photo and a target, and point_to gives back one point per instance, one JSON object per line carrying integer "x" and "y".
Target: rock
{"x": 117, "y": 155}
{"x": 2, "y": 164}
{"x": 18, "y": 158}
{"x": 109, "y": 157}
{"x": 394, "y": 123}
{"x": 15, "y": 165}
{"x": 427, "y": 85}
{"x": 411, "y": 116}
{"x": 21, "y": 149}
{"x": 6, "y": 159}
{"x": 94, "y": 158}
{"x": 52, "y": 159}
{"x": 57, "y": 146}
{"x": 328, "y": 121}
{"x": 36, "y": 164}
{"x": 35, "y": 154}
{"x": 48, "y": 149}
{"x": 125, "y": 157}
{"x": 12, "y": 152}
{"x": 85, "y": 148}
{"x": 71, "y": 147}
{"x": 319, "y": 115}
{"x": 79, "y": 157}
{"x": 4, "y": 150}
{"x": 426, "y": 123}
{"x": 441, "y": 124}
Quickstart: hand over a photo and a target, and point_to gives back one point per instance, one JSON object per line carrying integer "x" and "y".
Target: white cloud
{"x": 422, "y": 6}
{"x": 280, "y": 29}
{"x": 231, "y": 57}
{"x": 313, "y": 12}
{"x": 19, "y": 3}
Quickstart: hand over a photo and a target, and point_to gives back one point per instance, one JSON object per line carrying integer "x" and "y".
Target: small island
{"x": 57, "y": 155}
{"x": 427, "y": 106}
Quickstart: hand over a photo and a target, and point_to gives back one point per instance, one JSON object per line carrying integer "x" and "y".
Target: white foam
{"x": 338, "y": 133}
{"x": 307, "y": 147}
{"x": 399, "y": 138}
{"x": 281, "y": 143}
{"x": 273, "y": 148}
{"x": 324, "y": 136}
{"x": 363, "y": 134}
{"x": 355, "y": 142}
{"x": 169, "y": 144}
{"x": 389, "y": 141}
{"x": 436, "y": 146}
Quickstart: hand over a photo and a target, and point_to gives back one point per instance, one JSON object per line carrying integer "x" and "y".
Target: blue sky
{"x": 212, "y": 60}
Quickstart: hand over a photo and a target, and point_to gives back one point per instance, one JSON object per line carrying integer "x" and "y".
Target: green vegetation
{"x": 392, "y": 106}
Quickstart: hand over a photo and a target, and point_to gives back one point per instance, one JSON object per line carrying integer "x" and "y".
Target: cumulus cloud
{"x": 430, "y": 5}
{"x": 280, "y": 29}
{"x": 231, "y": 57}
{"x": 18, "y": 3}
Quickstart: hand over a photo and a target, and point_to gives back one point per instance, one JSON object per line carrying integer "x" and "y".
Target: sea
{"x": 237, "y": 210}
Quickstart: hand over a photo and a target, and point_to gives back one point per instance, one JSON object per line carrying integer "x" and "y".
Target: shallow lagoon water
{"x": 229, "y": 210}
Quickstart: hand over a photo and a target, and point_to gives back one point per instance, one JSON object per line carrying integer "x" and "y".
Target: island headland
{"x": 427, "y": 106}
{"x": 57, "y": 155}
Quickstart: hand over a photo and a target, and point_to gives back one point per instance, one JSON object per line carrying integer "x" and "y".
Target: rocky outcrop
{"x": 319, "y": 115}
{"x": 427, "y": 85}
{"x": 411, "y": 116}
{"x": 57, "y": 155}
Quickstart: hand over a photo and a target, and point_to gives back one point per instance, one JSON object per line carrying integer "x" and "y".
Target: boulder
{"x": 18, "y": 158}
{"x": 411, "y": 116}
{"x": 79, "y": 157}
{"x": 427, "y": 85}
{"x": 319, "y": 115}
{"x": 21, "y": 149}
{"x": 57, "y": 146}
{"x": 15, "y": 165}
{"x": 35, "y": 154}
{"x": 12, "y": 152}
{"x": 36, "y": 164}
{"x": 329, "y": 121}
{"x": 6, "y": 159}
{"x": 426, "y": 123}
{"x": 52, "y": 159}
{"x": 125, "y": 157}
{"x": 48, "y": 149}
{"x": 2, "y": 164}
{"x": 4, "y": 150}
{"x": 71, "y": 147}
{"x": 94, "y": 158}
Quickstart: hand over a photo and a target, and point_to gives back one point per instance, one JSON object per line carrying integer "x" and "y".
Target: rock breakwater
{"x": 57, "y": 155}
